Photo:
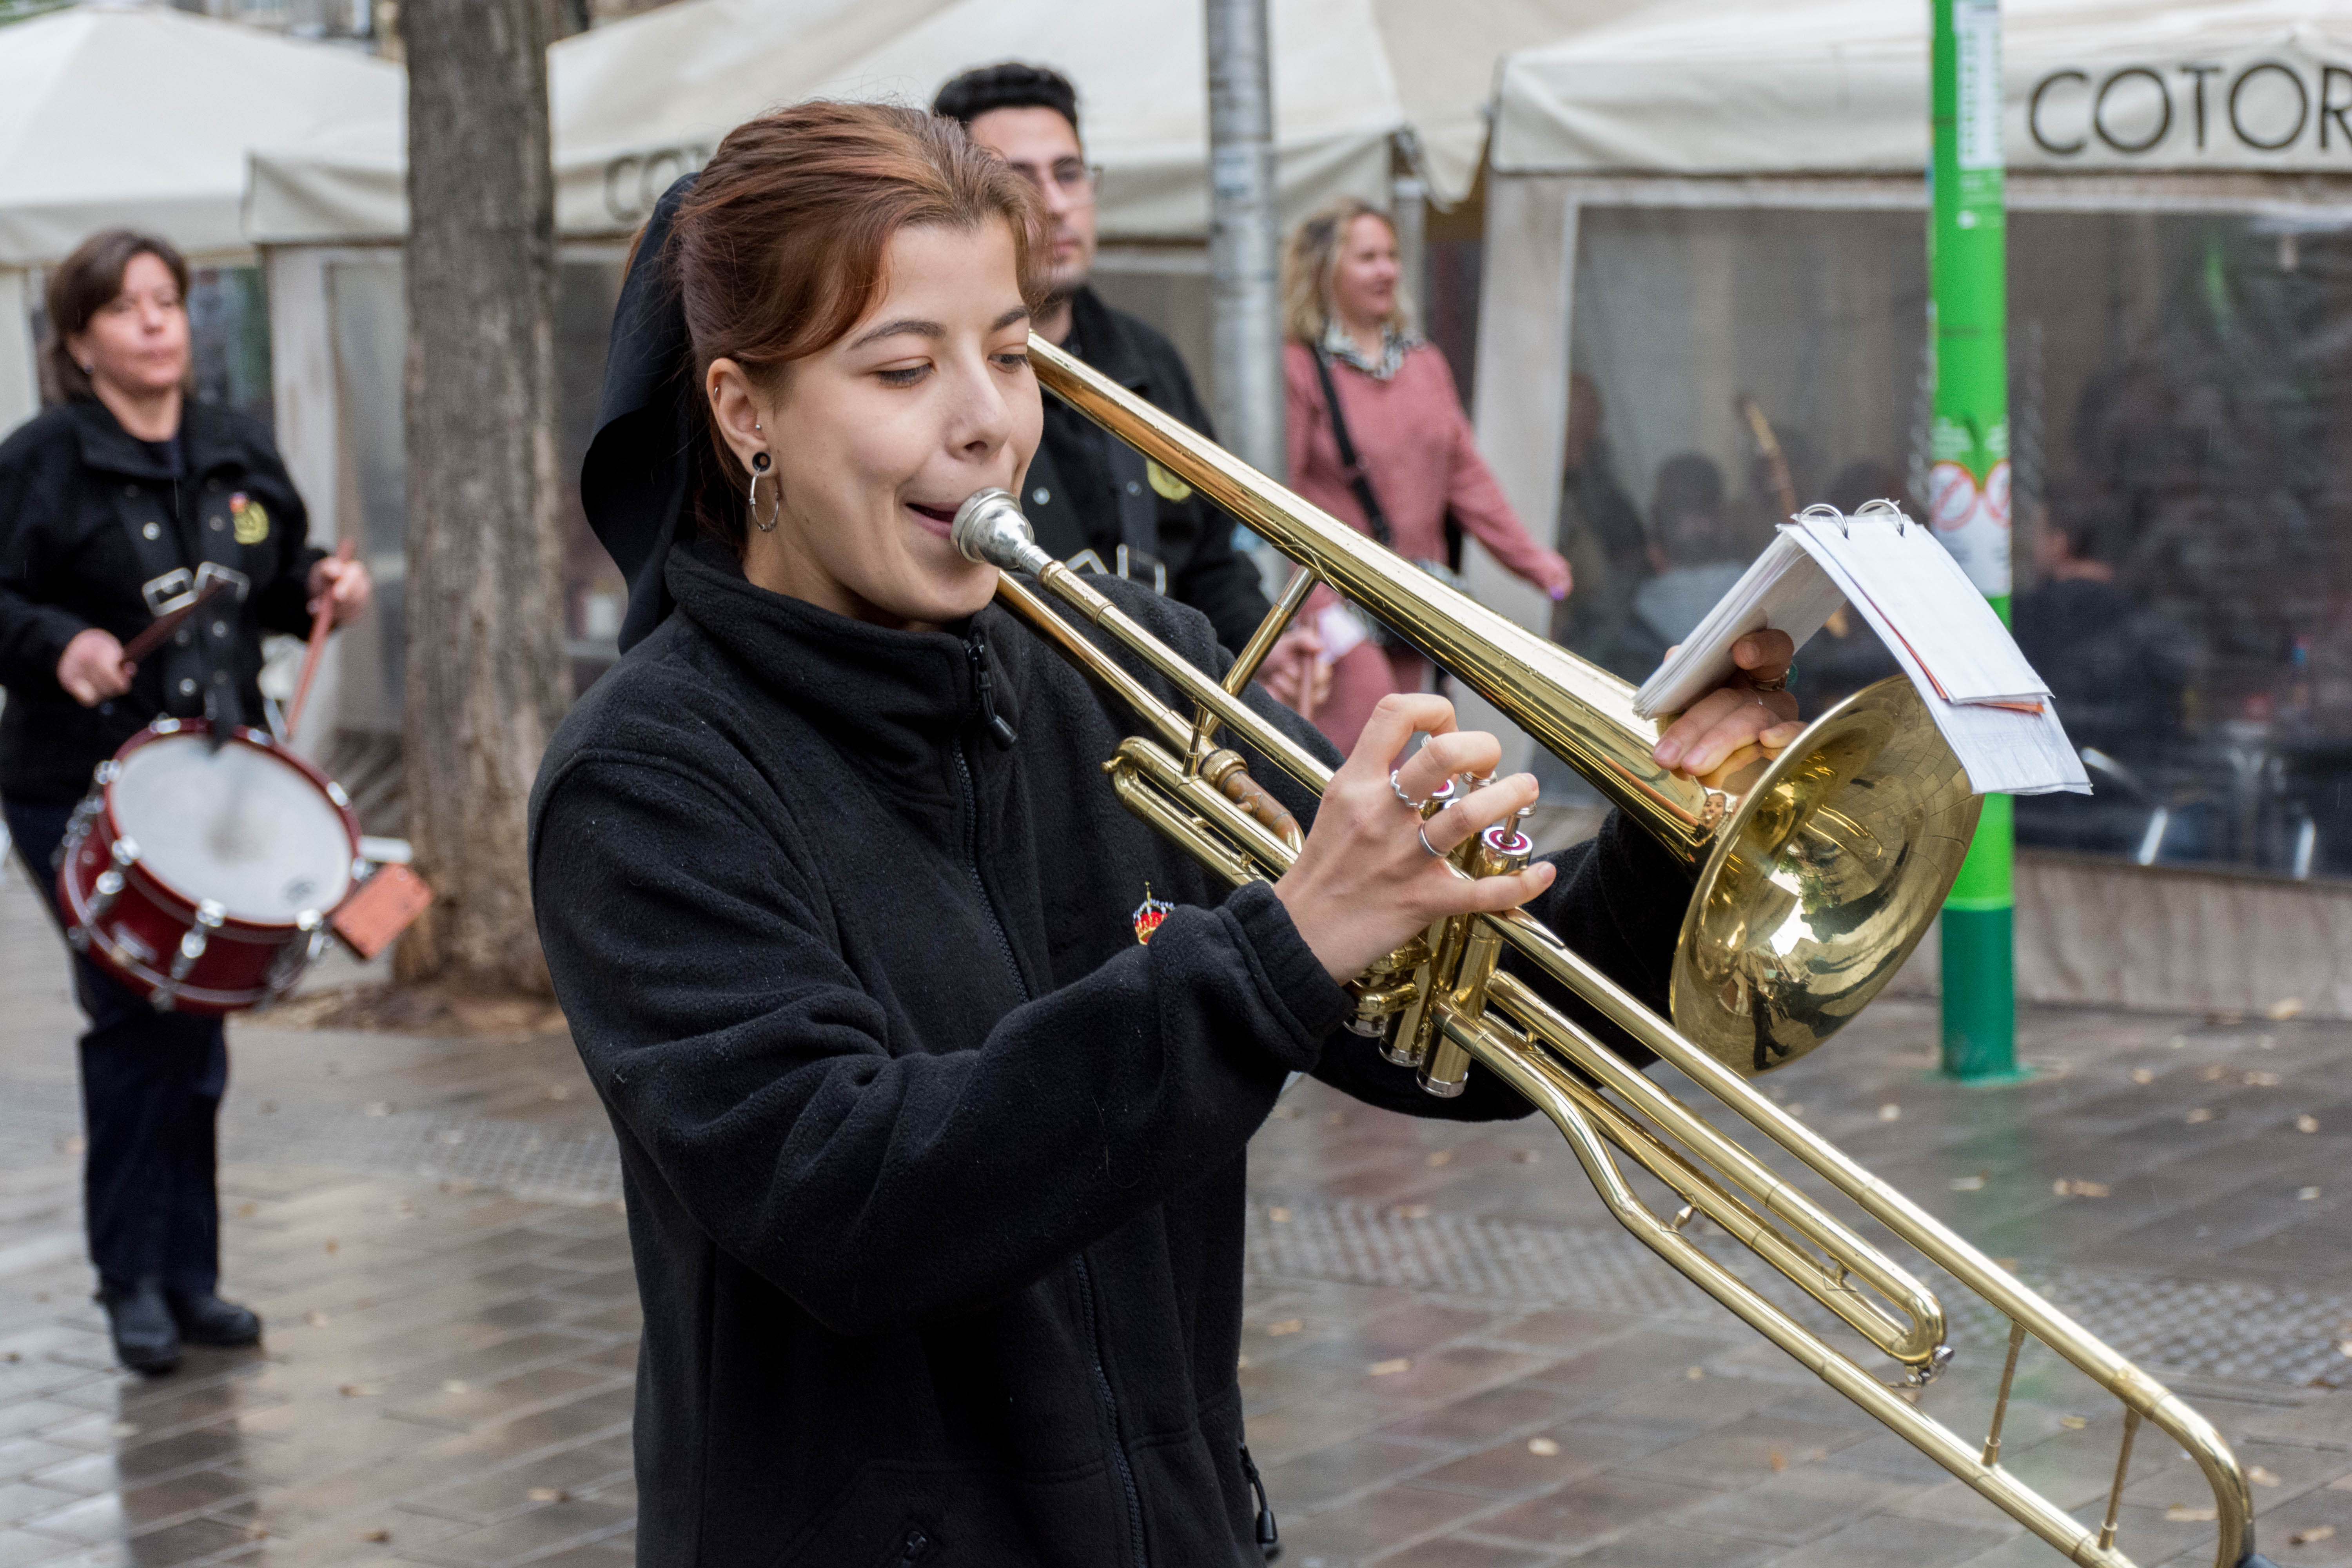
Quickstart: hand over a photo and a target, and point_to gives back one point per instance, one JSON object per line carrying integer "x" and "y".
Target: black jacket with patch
{"x": 935, "y": 1177}
{"x": 1086, "y": 492}
{"x": 67, "y": 562}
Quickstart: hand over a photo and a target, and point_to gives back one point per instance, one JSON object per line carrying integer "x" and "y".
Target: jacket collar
{"x": 206, "y": 442}
{"x": 1104, "y": 344}
{"x": 899, "y": 700}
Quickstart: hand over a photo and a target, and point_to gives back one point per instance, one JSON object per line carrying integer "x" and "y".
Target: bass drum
{"x": 203, "y": 877}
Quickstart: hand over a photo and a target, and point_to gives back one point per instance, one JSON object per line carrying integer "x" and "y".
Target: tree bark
{"x": 486, "y": 681}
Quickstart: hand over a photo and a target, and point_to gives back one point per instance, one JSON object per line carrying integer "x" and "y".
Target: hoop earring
{"x": 760, "y": 463}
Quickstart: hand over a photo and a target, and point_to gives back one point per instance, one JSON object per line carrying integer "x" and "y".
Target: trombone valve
{"x": 1498, "y": 852}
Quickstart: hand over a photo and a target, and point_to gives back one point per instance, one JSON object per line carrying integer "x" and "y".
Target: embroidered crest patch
{"x": 1148, "y": 915}
{"x": 247, "y": 519}
{"x": 1167, "y": 484}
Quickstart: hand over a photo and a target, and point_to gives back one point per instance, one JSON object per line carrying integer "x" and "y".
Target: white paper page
{"x": 1919, "y": 589}
{"x": 1785, "y": 590}
{"x": 2005, "y": 751}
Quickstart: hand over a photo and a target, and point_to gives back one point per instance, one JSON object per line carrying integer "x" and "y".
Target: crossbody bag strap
{"x": 1358, "y": 481}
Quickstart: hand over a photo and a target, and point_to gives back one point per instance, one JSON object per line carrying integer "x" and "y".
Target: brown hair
{"x": 84, "y": 284}
{"x": 1311, "y": 259}
{"x": 779, "y": 250}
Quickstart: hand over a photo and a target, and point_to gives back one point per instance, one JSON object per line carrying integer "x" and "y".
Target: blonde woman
{"x": 1378, "y": 438}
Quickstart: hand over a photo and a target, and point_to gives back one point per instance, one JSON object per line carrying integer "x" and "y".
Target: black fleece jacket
{"x": 934, "y": 1175}
{"x": 66, "y": 564}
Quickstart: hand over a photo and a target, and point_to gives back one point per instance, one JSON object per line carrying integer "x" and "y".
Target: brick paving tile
{"x": 1885, "y": 1539}
{"x": 1671, "y": 1546}
{"x": 1386, "y": 1519}
{"x": 1591, "y": 1509}
{"x": 1316, "y": 1480}
{"x": 1525, "y": 1466}
{"x": 1798, "y": 1505}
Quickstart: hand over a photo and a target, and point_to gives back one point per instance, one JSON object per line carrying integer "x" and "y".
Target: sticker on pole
{"x": 1952, "y": 496}
{"x": 1996, "y": 493}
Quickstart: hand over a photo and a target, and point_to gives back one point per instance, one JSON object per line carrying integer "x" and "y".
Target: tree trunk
{"x": 486, "y": 680}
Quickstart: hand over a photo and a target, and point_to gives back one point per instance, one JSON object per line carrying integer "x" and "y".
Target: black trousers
{"x": 150, "y": 1091}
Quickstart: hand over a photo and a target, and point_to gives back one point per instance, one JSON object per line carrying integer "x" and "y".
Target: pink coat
{"x": 1418, "y": 451}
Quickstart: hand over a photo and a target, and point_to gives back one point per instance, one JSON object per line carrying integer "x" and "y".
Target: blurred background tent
{"x": 1383, "y": 98}
{"x": 143, "y": 116}
{"x": 1710, "y": 199}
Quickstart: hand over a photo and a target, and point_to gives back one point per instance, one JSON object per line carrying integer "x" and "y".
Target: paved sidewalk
{"x": 1453, "y": 1357}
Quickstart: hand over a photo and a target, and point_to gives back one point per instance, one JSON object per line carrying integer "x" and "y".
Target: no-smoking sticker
{"x": 1996, "y": 493}
{"x": 1952, "y": 495}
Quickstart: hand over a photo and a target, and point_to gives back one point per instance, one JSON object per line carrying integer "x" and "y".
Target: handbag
{"x": 1359, "y": 482}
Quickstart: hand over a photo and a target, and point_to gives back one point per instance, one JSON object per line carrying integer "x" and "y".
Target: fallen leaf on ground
{"x": 316, "y": 1320}
{"x": 1968, "y": 1184}
{"x": 1335, "y": 1119}
{"x": 1391, "y": 1368}
{"x": 1279, "y": 1215}
{"x": 1542, "y": 1447}
{"x": 1410, "y": 1211}
{"x": 1287, "y": 1326}
{"x": 2261, "y": 1477}
{"x": 331, "y": 1244}
{"x": 2198, "y": 1115}
{"x": 2216, "y": 1073}
{"x": 247, "y": 1211}
{"x": 1778, "y": 1460}
{"x": 1442, "y": 1157}
{"x": 1890, "y": 1113}
{"x": 257, "y": 1531}
{"x": 2073, "y": 1423}
{"x": 1695, "y": 1373}
{"x": 2306, "y": 1537}
{"x": 2261, "y": 1080}
{"x": 2182, "y": 1513}
{"x": 1285, "y": 1113}
{"x": 559, "y": 1092}
{"x": 2066, "y": 1187}
{"x": 360, "y": 1390}
{"x": 2286, "y": 1007}
{"x": 123, "y": 1429}
{"x": 378, "y": 1536}
{"x": 2306, "y": 1124}
{"x": 454, "y": 1385}
{"x": 2306, "y": 1193}
{"x": 548, "y": 1494}
{"x": 1528, "y": 1157}
{"x": 2143, "y": 1075}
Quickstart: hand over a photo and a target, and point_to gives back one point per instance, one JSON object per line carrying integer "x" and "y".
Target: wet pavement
{"x": 1453, "y": 1356}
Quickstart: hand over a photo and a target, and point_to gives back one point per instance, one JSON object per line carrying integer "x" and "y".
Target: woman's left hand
{"x": 344, "y": 584}
{"x": 1754, "y": 706}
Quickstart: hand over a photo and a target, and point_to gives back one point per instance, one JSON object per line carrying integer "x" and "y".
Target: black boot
{"x": 144, "y": 1338}
{"x": 205, "y": 1320}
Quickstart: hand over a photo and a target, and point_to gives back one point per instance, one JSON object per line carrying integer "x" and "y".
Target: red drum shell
{"x": 136, "y": 932}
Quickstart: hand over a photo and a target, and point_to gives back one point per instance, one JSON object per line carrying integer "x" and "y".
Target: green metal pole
{"x": 1969, "y": 487}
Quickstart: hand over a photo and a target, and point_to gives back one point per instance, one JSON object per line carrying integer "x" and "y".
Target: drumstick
{"x": 147, "y": 642}
{"x": 320, "y": 623}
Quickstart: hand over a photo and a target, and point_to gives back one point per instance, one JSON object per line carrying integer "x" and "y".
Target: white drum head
{"x": 239, "y": 827}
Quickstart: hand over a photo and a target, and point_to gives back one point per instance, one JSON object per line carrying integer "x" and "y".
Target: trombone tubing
{"x": 1360, "y": 571}
{"x": 1489, "y": 653}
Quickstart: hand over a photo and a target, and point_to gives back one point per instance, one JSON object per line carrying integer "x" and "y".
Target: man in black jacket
{"x": 1093, "y": 499}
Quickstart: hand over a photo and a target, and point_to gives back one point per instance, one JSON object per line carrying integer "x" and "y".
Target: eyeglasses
{"x": 1074, "y": 181}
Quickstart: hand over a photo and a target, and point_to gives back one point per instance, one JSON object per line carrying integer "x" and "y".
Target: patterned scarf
{"x": 1394, "y": 346}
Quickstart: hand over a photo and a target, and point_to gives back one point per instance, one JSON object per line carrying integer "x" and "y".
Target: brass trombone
{"x": 1818, "y": 871}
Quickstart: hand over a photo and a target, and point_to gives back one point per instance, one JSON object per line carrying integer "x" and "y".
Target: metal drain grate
{"x": 2217, "y": 1329}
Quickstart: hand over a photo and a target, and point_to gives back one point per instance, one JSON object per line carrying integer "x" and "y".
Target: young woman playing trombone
{"x": 935, "y": 1173}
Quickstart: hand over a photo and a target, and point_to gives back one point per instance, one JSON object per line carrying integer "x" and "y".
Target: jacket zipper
{"x": 984, "y": 691}
{"x": 914, "y": 1549}
{"x": 972, "y": 866}
{"x": 1110, "y": 1414}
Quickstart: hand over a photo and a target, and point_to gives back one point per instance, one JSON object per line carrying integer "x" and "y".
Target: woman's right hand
{"x": 1363, "y": 884}
{"x": 1554, "y": 576}
{"x": 92, "y": 668}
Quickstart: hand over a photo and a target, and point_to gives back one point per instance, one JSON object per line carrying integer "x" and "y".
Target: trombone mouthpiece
{"x": 989, "y": 527}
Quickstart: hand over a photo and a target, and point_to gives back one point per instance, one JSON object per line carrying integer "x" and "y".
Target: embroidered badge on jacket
{"x": 1148, "y": 915}
{"x": 248, "y": 518}
{"x": 1166, "y": 483}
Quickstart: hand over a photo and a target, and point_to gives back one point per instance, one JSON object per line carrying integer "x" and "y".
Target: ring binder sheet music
{"x": 1993, "y": 710}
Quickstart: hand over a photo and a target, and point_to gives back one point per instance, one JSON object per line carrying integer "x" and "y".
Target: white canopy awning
{"x": 1728, "y": 87}
{"x": 143, "y": 116}
{"x": 639, "y": 102}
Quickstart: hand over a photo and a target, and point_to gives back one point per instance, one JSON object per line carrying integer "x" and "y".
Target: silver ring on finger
{"x": 1398, "y": 790}
{"x": 1434, "y": 852}
{"x": 1778, "y": 683}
